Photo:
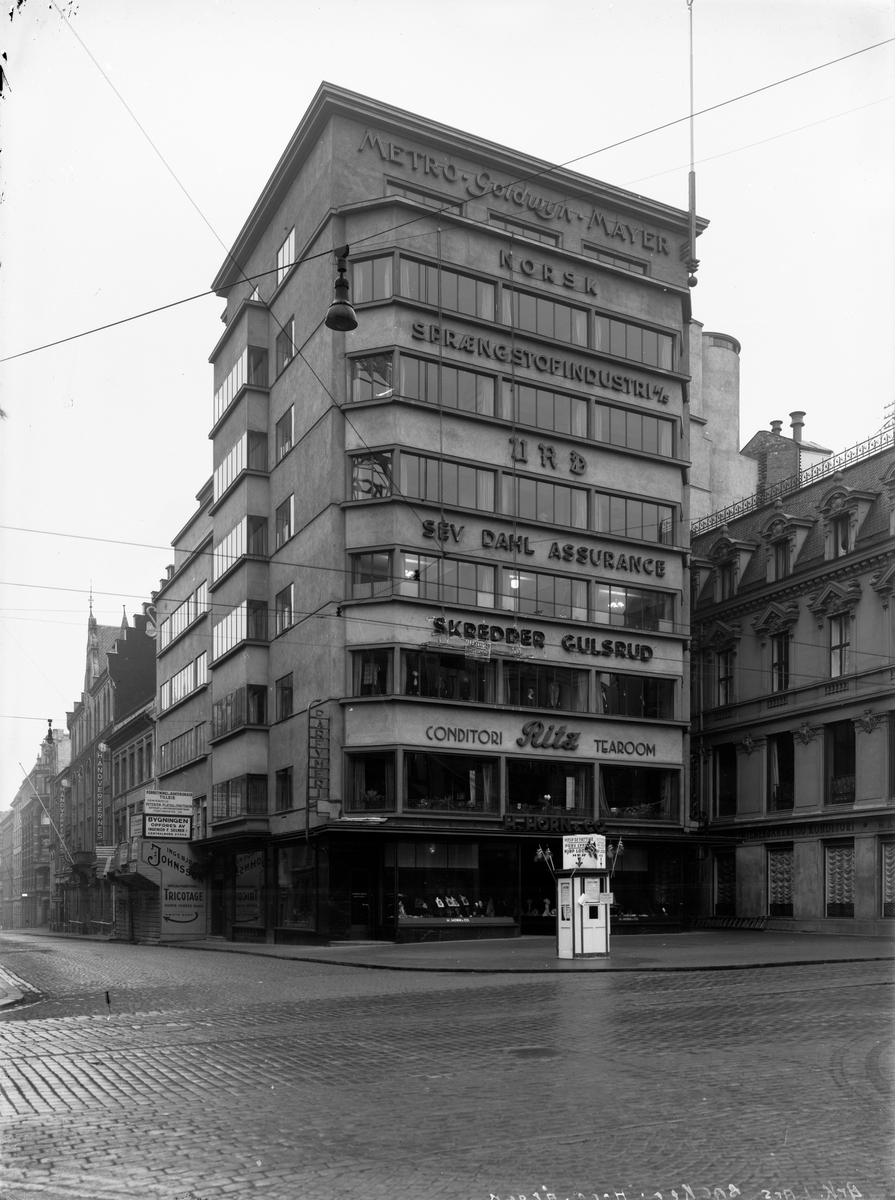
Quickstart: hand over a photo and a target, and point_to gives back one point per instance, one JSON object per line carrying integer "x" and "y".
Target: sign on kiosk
{"x": 168, "y": 815}
{"x": 584, "y": 852}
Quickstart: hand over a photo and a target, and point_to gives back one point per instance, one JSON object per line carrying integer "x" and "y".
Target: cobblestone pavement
{"x": 220, "y": 1075}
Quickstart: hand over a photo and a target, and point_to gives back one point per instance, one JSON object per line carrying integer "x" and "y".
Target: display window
{"x": 641, "y": 793}
{"x": 647, "y": 884}
{"x": 297, "y": 887}
{"x": 548, "y": 788}
{"x": 544, "y": 685}
{"x": 449, "y": 677}
{"x": 451, "y": 783}
{"x": 454, "y": 882}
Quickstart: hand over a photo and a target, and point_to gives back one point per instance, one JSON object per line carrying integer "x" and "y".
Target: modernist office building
{"x": 431, "y": 611}
{"x": 794, "y": 699}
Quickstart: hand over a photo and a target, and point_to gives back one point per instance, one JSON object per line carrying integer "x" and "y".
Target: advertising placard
{"x": 168, "y": 804}
{"x": 181, "y": 886}
{"x": 157, "y": 826}
{"x": 584, "y": 852}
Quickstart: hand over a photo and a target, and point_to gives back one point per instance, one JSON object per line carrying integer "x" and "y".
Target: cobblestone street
{"x": 217, "y": 1074}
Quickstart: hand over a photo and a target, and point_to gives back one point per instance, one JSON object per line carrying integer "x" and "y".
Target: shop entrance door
{"x": 361, "y": 908}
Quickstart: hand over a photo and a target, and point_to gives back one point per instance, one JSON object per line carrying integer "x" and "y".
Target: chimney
{"x": 797, "y": 423}
{"x": 776, "y": 426}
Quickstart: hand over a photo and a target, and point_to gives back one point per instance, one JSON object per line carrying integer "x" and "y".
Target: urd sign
{"x": 584, "y": 853}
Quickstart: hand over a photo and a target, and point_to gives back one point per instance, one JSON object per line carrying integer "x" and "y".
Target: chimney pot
{"x": 776, "y": 426}
{"x": 797, "y": 423}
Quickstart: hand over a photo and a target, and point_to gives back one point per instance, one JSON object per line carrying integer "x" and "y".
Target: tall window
{"x": 781, "y": 772}
{"x": 372, "y": 672}
{"x": 780, "y": 662}
{"x": 285, "y": 432}
{"x": 725, "y": 580}
{"x": 725, "y": 885}
{"x": 840, "y": 641}
{"x": 286, "y": 256}
{"x": 887, "y": 868}
{"x": 839, "y": 742}
{"x": 725, "y": 781}
{"x": 285, "y": 344}
{"x": 284, "y": 789}
{"x": 283, "y": 609}
{"x": 285, "y": 520}
{"x": 284, "y": 696}
{"x": 839, "y": 535}
{"x": 724, "y": 677}
{"x": 371, "y": 782}
{"x": 781, "y": 558}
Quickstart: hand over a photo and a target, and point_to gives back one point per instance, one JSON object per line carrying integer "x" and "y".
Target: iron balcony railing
{"x": 785, "y": 487}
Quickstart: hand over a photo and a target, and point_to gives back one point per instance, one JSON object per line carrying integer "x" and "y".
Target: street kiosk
{"x": 583, "y": 899}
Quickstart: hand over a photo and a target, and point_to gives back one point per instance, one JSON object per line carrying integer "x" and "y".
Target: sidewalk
{"x": 700, "y": 950}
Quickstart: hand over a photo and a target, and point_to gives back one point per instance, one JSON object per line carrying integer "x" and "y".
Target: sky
{"x": 106, "y": 213}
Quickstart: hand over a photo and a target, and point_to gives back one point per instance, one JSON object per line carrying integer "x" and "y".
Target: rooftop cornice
{"x": 331, "y": 100}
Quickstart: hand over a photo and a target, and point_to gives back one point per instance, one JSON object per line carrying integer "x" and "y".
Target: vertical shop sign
{"x": 318, "y": 756}
{"x": 99, "y": 798}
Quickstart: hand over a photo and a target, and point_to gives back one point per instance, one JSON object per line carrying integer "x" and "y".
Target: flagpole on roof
{"x": 693, "y": 261}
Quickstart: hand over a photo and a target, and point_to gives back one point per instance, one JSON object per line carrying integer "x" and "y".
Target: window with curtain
{"x": 451, "y": 783}
{"x": 781, "y": 772}
{"x": 780, "y": 872}
{"x": 371, "y": 782}
{"x": 840, "y": 880}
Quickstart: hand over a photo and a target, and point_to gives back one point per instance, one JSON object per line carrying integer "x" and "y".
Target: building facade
{"x": 119, "y": 677}
{"x": 431, "y": 613}
{"x": 794, "y": 687}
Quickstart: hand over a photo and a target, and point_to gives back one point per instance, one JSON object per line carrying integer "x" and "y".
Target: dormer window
{"x": 842, "y": 511}
{"x": 840, "y": 536}
{"x": 783, "y": 535}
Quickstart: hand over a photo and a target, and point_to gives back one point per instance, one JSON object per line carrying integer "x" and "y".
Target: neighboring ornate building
{"x": 119, "y": 677}
{"x": 793, "y": 736}
{"x": 25, "y": 839}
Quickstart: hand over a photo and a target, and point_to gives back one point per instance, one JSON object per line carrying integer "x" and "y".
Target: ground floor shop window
{"x": 547, "y": 788}
{"x": 646, "y": 884}
{"x": 458, "y": 882}
{"x": 371, "y": 782}
{"x": 780, "y": 871}
{"x": 451, "y": 782}
{"x": 642, "y": 793}
{"x": 725, "y": 885}
{"x": 840, "y": 880}
{"x": 296, "y": 887}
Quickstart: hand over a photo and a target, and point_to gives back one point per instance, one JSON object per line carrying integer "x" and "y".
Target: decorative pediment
{"x": 718, "y": 636}
{"x": 787, "y": 530}
{"x": 835, "y": 599}
{"x": 776, "y": 618}
{"x": 883, "y": 583}
{"x": 729, "y": 556}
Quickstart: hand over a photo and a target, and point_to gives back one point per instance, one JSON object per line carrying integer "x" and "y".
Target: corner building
{"x": 445, "y": 596}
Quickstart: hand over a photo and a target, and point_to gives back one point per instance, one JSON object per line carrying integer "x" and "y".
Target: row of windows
{"x": 249, "y": 452}
{"x": 183, "y": 749}
{"x": 839, "y": 754}
{"x": 249, "y": 536}
{"x": 195, "y": 605}
{"x": 244, "y": 706}
{"x": 482, "y": 585}
{"x": 458, "y": 484}
{"x": 249, "y": 369}
{"x": 193, "y": 675}
{"x": 780, "y": 661}
{"x": 530, "y": 312}
{"x": 839, "y": 881}
{"x": 471, "y": 784}
{"x": 440, "y": 675}
{"x": 132, "y": 765}
{"x": 488, "y": 395}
